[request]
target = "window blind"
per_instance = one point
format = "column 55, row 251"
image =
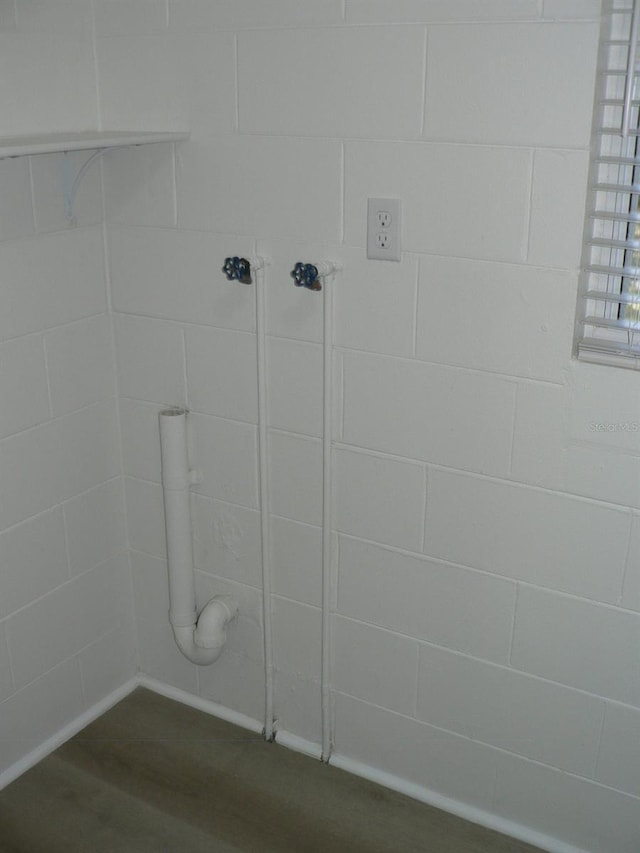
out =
column 608, row 328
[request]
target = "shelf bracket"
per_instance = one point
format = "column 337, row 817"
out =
column 71, row 181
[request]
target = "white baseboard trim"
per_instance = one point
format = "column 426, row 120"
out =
column 66, row 733
column 299, row 744
column 201, row 704
column 456, row 807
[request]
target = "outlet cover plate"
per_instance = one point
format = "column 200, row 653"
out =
column 384, row 227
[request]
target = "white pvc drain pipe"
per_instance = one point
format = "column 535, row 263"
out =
column 200, row 637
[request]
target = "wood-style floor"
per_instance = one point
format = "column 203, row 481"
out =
column 154, row 776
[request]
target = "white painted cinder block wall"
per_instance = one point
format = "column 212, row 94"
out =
column 487, row 621
column 65, row 616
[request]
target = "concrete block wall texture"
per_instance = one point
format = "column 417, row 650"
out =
column 48, row 69
column 66, row 626
column 487, row 622
column 487, row 523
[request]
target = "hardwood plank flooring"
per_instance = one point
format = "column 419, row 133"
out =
column 154, row 776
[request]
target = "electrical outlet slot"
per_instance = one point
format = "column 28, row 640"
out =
column 383, row 229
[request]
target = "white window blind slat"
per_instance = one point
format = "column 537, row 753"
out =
column 608, row 326
column 613, row 298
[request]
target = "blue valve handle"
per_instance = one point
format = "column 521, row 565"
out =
column 237, row 269
column 306, row 275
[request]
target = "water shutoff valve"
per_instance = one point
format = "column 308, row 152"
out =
column 237, row 269
column 306, row 275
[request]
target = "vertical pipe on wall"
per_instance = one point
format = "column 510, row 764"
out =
column 200, row 637
column 263, row 456
column 321, row 277
column 176, row 481
column 327, row 512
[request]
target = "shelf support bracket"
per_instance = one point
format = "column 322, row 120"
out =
column 71, row 181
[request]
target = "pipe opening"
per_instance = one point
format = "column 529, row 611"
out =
column 173, row 412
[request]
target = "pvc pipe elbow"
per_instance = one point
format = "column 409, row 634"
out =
column 203, row 642
column 326, row 268
column 211, row 630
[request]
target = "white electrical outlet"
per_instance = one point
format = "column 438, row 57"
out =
column 384, row 219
